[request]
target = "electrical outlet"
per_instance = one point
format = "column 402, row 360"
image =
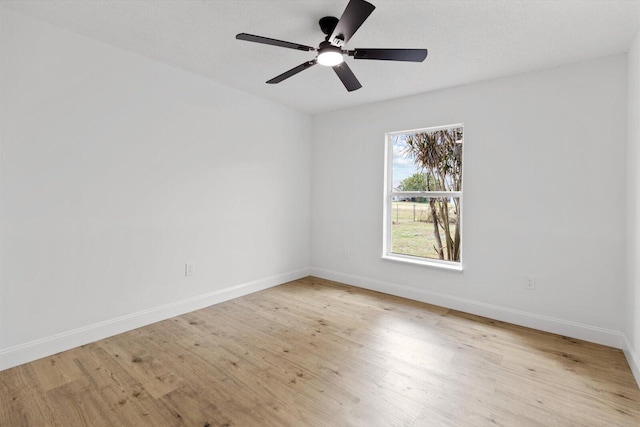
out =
column 530, row 283
column 189, row 269
column 347, row 254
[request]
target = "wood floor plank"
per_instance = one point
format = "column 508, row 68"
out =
column 135, row 358
column 23, row 402
column 319, row 353
column 83, row 403
column 57, row 370
column 120, row 390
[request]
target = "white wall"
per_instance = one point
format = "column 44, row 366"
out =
column 116, row 170
column 544, row 182
column 632, row 324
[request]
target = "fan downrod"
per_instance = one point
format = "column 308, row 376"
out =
column 328, row 24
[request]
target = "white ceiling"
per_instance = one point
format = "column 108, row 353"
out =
column 468, row 40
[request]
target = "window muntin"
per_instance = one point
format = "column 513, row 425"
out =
column 423, row 203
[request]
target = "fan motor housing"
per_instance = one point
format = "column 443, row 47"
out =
column 328, row 24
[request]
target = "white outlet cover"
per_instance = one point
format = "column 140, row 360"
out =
column 189, row 269
column 530, row 283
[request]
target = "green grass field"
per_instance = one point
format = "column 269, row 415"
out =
column 410, row 235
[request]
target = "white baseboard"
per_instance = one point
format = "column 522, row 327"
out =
column 554, row 325
column 632, row 357
column 34, row 350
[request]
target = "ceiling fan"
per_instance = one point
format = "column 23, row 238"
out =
column 330, row 53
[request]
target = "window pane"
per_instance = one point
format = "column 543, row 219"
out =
column 428, row 161
column 426, row 227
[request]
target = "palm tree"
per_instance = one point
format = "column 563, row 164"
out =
column 439, row 155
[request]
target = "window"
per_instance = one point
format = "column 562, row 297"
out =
column 423, row 196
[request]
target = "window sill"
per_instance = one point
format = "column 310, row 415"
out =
column 451, row 266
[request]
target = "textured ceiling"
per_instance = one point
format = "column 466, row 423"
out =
column 468, row 41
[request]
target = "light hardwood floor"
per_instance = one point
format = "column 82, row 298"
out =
column 319, row 353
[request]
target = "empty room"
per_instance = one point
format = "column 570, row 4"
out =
column 319, row 213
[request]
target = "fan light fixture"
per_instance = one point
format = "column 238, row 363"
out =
column 330, row 56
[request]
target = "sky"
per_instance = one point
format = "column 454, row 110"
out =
column 402, row 167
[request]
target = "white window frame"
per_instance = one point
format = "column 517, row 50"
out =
column 389, row 193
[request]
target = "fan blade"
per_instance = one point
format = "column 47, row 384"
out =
column 273, row 42
column 354, row 15
column 292, row 72
column 411, row 55
column 347, row 77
